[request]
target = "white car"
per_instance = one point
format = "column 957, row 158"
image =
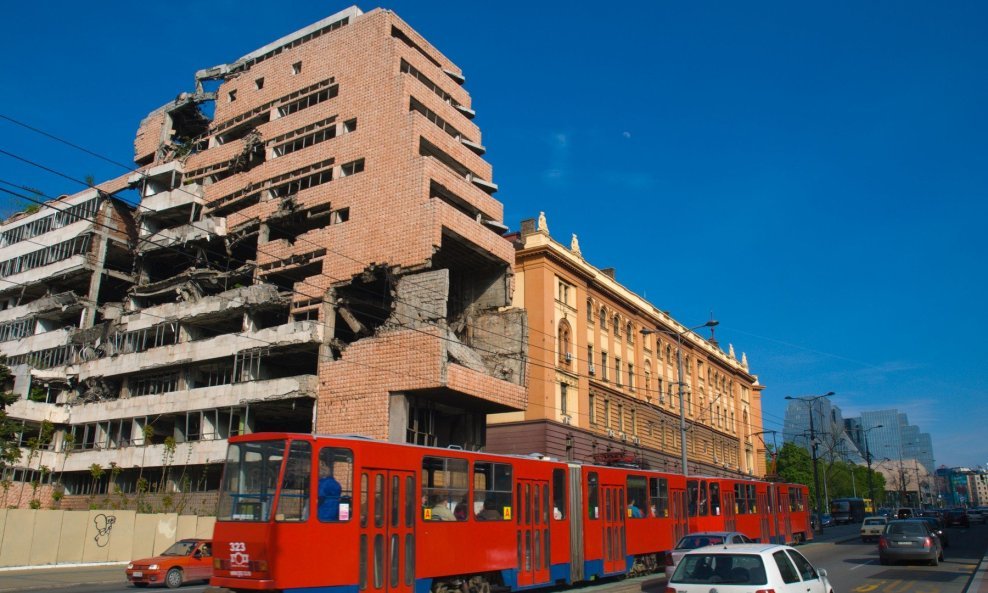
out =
column 872, row 527
column 699, row 540
column 746, row 568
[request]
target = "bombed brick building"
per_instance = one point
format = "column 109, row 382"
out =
column 316, row 248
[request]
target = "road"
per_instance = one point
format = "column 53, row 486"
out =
column 852, row 566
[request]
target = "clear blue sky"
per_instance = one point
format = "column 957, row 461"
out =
column 813, row 173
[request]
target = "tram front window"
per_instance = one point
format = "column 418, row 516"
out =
column 250, row 480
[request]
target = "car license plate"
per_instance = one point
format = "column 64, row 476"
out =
column 905, row 543
column 137, row 574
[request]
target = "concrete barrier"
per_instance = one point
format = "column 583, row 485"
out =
column 46, row 537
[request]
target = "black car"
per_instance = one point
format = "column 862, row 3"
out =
column 936, row 526
column 956, row 517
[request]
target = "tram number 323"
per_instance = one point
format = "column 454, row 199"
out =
column 239, row 560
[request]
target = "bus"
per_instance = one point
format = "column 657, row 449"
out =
column 847, row 510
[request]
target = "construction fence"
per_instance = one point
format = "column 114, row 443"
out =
column 45, row 537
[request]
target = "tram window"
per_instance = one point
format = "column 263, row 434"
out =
column 545, row 503
column 559, row 493
column 409, row 558
column 740, row 506
column 379, row 500
column 363, row 500
column 444, row 489
column 702, row 506
column 293, row 501
column 335, row 486
column 658, row 494
column 249, row 480
column 395, row 503
column 492, row 491
column 593, row 496
column 714, row 498
column 752, row 500
column 637, row 496
column 693, row 492
column 409, row 501
column 363, row 561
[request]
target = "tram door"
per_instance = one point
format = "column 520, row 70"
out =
column 387, row 535
column 532, row 517
column 785, row 529
column 764, row 511
column 615, row 509
column 730, row 511
column 679, row 518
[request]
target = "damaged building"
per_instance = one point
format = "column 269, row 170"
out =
column 316, row 248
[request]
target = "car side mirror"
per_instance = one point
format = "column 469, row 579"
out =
column 822, row 572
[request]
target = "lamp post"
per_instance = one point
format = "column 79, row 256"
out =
column 871, row 488
column 679, row 364
column 810, row 400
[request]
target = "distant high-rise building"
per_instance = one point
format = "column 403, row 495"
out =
column 833, row 441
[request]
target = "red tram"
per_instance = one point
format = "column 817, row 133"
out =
column 348, row 515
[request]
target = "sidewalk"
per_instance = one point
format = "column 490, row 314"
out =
column 45, row 577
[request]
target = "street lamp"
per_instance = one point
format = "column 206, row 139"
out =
column 810, row 401
column 679, row 364
column 871, row 488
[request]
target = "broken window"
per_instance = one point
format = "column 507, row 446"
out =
column 308, row 101
column 247, row 364
column 211, row 375
column 259, row 83
column 232, row 95
column 352, row 168
column 341, row 215
column 294, row 187
column 305, row 141
column 297, row 68
column 153, row 384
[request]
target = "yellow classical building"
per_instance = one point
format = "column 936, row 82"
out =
column 600, row 389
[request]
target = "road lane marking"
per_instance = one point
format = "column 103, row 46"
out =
column 859, row 566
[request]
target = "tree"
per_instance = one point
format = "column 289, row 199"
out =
column 795, row 465
column 10, row 451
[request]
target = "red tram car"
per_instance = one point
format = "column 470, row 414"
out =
column 348, row 515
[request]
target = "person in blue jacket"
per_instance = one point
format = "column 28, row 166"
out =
column 329, row 494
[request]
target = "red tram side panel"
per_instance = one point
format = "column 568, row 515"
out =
column 356, row 515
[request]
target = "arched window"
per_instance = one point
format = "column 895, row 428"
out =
column 589, row 311
column 648, row 378
column 617, row 326
column 629, row 331
column 603, row 318
column 564, row 342
column 668, row 354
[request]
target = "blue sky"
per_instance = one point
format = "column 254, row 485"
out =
column 812, row 173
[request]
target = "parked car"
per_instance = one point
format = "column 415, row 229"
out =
column 747, row 567
column 956, row 517
column 185, row 560
column 975, row 516
column 936, row 525
column 909, row 539
column 699, row 540
column 872, row 528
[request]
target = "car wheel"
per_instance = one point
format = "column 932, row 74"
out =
column 174, row 578
column 935, row 561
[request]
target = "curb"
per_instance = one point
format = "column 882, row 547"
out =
column 978, row 582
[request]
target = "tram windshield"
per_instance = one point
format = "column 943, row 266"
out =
column 250, row 480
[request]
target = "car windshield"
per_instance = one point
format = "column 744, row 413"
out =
column 182, row 548
column 691, row 542
column 729, row 569
column 250, row 480
column 905, row 529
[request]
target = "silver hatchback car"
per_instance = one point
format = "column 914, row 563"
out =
column 909, row 539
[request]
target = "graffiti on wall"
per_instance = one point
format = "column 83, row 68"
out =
column 104, row 523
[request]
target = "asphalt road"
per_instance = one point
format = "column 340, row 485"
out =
column 852, row 566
